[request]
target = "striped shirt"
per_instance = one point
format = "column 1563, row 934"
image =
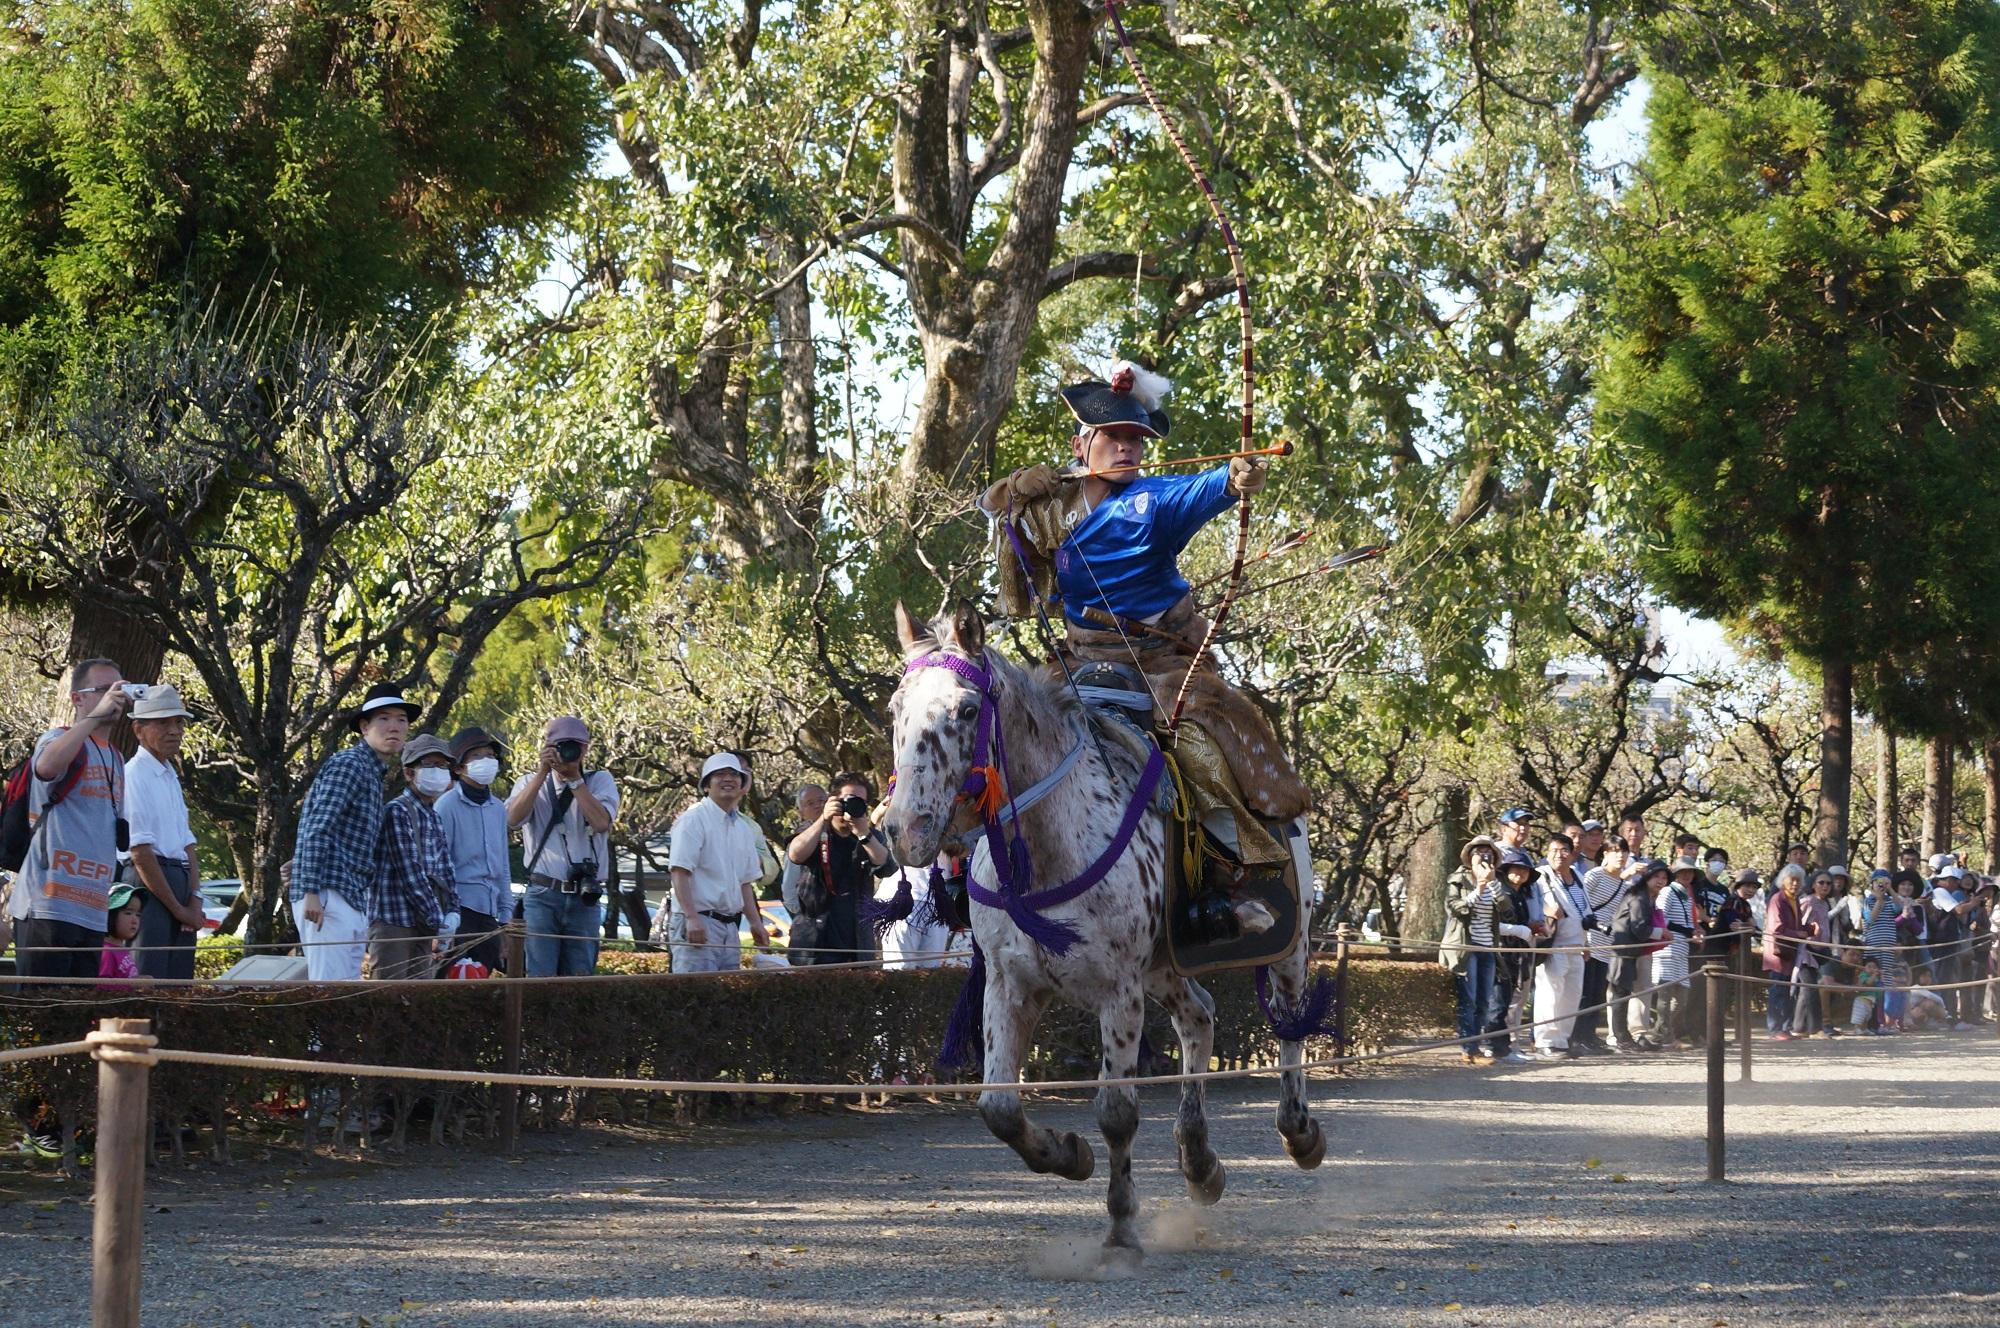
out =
column 1604, row 889
column 1879, row 933
column 1479, row 928
column 1670, row 965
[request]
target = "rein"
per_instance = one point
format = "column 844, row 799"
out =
column 985, row 788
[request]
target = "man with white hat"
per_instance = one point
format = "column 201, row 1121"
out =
column 567, row 814
column 716, row 860
column 161, row 861
column 340, row 833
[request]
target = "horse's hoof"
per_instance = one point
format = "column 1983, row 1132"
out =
column 1208, row 1190
column 1081, row 1160
column 1308, row 1149
column 1121, row 1254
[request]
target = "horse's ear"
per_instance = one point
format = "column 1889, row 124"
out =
column 906, row 630
column 968, row 628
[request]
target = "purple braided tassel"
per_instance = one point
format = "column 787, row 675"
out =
column 1316, row 1015
column 966, row 1031
column 884, row 914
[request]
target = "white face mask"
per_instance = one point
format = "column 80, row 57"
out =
column 483, row 771
column 430, row 781
column 1716, row 866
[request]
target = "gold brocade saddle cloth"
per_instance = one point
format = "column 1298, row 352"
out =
column 1223, row 860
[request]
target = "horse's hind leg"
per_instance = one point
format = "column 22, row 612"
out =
column 1193, row 1014
column 1120, row 1020
column 1304, row 1140
column 1010, row 1017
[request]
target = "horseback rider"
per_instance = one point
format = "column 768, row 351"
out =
column 1104, row 539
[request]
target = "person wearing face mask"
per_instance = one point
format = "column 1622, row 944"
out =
column 475, row 831
column 1711, row 892
column 413, row 901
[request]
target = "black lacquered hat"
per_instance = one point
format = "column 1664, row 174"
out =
column 1132, row 397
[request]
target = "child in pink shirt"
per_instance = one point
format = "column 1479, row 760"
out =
column 116, row 959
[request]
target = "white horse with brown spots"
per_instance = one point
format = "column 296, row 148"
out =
column 953, row 687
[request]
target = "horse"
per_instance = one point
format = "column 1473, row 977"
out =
column 1115, row 957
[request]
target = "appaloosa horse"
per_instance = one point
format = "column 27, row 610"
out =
column 955, row 695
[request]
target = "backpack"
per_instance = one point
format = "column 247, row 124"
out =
column 17, row 836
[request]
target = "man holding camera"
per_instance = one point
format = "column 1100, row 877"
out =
column 716, row 862
column 568, row 816
column 75, row 795
column 842, row 855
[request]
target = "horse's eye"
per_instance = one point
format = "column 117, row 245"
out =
column 969, row 711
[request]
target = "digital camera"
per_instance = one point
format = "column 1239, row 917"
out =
column 135, row 690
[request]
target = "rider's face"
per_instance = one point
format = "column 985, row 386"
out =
column 1111, row 448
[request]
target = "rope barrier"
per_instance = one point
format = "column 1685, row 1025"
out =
column 1756, row 939
column 357, row 1071
column 1769, row 978
column 16, row 1054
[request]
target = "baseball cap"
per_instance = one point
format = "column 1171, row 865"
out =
column 1514, row 814
column 1591, row 825
column 566, row 728
column 426, row 744
column 120, row 896
column 1952, row 872
column 1837, row 870
column 723, row 761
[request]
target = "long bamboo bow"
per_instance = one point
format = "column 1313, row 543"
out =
column 1241, row 554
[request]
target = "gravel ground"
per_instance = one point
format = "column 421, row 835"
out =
column 1861, row 1193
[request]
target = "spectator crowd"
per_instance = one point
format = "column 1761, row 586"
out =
column 1578, row 943
column 403, row 866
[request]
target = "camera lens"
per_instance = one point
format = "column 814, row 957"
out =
column 569, row 749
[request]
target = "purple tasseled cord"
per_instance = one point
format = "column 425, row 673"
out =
column 1316, row 1015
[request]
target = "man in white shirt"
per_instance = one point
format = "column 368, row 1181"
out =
column 161, row 860
column 716, row 861
column 1559, row 979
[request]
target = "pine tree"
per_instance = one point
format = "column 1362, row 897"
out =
column 1808, row 343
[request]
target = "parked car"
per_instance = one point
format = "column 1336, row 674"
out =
column 217, row 898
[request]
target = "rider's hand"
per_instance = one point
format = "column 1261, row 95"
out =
column 1026, row 485
column 1247, row 476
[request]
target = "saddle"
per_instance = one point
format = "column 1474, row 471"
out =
column 1204, row 880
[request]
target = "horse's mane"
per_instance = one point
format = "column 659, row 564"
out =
column 1049, row 696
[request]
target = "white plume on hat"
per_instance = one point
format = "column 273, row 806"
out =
column 1148, row 388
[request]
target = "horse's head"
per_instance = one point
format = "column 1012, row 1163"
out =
column 936, row 722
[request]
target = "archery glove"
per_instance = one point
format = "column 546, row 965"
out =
column 1247, row 476
column 1026, row 485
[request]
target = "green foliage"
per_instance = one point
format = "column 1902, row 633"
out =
column 361, row 158
column 1808, row 289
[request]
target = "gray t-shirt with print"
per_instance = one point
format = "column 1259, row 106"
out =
column 75, row 853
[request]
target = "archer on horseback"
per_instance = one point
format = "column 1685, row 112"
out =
column 1104, row 539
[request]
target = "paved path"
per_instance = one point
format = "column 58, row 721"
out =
column 1862, row 1193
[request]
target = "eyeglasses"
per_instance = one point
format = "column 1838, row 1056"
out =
column 92, row 691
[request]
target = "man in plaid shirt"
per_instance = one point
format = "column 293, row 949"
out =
column 340, row 833
column 414, row 900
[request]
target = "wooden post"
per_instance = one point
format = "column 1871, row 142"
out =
column 1717, row 981
column 123, row 1049
column 510, row 1094
column 1341, row 935
column 1743, row 986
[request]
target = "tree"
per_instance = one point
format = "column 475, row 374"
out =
column 299, row 514
column 355, row 161
column 1808, row 334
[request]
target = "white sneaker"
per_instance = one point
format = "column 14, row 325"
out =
column 1514, row 1058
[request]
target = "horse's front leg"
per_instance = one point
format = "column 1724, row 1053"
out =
column 1194, row 1021
column 1120, row 1021
column 1011, row 1014
column 1304, row 1140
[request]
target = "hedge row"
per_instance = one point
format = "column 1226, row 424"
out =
column 797, row 1025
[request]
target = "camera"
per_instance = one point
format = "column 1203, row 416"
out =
column 582, row 878
column 569, row 751
column 853, row 805
column 135, row 690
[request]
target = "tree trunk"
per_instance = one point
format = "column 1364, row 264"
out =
column 1836, row 761
column 1435, row 857
column 1885, row 796
column 1989, row 773
column 274, row 841
column 1937, row 796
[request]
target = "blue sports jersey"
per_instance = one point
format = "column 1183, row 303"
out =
column 1124, row 557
